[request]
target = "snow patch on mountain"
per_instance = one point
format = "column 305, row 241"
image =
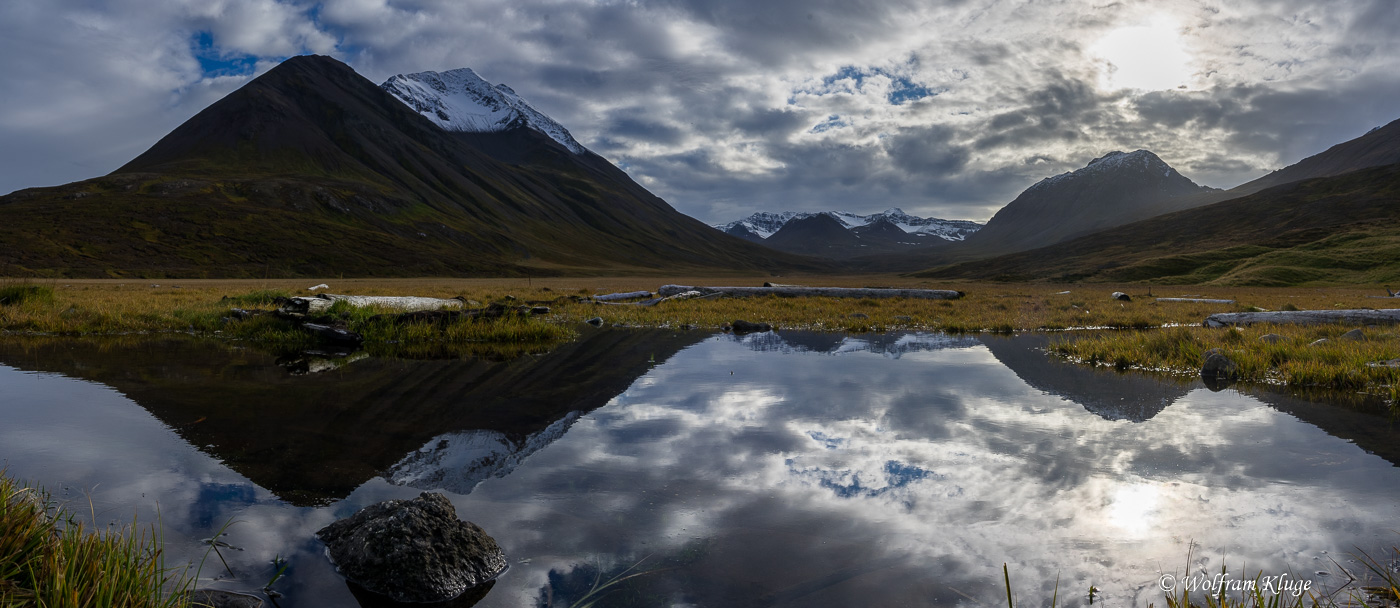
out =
column 459, row 100
column 765, row 223
column 457, row 462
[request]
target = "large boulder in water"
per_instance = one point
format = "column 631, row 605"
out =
column 413, row 550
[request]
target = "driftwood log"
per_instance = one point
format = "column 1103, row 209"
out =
column 1196, row 300
column 821, row 292
column 1387, row 316
column 685, row 295
column 630, row 295
column 318, row 303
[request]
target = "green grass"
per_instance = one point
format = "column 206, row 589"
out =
column 1295, row 360
column 49, row 559
column 16, row 294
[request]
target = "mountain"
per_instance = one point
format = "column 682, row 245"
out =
column 1111, row 190
column 743, row 232
column 1341, row 230
column 819, row 235
column 883, row 230
column 312, row 170
column 459, row 100
column 764, row 224
column 1379, row 147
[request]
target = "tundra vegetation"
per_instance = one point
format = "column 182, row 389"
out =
column 1171, row 339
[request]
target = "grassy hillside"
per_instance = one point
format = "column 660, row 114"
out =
column 1334, row 230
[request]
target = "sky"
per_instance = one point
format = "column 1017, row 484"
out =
column 726, row 107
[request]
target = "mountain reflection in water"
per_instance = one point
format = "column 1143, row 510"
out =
column 791, row 469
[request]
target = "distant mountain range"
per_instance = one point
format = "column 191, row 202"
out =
column 841, row 234
column 312, row 170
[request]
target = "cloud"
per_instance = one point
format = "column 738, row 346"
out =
column 725, row 107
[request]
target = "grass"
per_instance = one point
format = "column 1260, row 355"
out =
column 18, row 294
column 1295, row 359
column 1381, row 588
column 202, row 307
column 49, row 559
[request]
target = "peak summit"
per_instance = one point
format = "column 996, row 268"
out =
column 460, row 100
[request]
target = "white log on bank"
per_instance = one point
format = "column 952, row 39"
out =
column 1196, row 300
column 820, row 292
column 318, row 303
column 1386, row 316
column 630, row 295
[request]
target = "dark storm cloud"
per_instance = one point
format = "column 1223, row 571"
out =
column 725, row 107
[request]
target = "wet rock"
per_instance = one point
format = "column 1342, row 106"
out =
column 218, row 598
column 1118, row 295
column 413, row 550
column 1355, row 335
column 744, row 327
column 595, row 321
column 1270, row 338
column 1218, row 371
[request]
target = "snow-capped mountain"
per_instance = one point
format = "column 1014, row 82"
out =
column 764, row 224
column 459, row 100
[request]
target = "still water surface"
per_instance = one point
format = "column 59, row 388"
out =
column 790, row 469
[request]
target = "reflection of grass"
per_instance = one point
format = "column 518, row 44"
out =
column 1293, row 360
column 48, row 558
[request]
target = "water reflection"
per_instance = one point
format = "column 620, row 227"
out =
column 753, row 471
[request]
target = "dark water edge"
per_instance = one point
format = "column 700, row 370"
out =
column 768, row 470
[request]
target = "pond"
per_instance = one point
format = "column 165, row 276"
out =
column 776, row 469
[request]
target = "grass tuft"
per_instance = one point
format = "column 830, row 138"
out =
column 48, row 558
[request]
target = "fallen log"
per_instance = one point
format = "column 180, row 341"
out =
column 1386, row 316
column 685, row 295
column 630, row 295
column 820, row 292
column 320, row 302
column 1196, row 300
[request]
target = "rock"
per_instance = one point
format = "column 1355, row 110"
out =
column 1355, row 335
column 321, row 286
column 218, row 598
column 1270, row 338
column 539, row 310
column 1218, row 370
column 595, row 321
column 1118, row 295
column 904, row 318
column 745, row 327
column 1319, row 342
column 1390, row 363
column 858, row 315
column 413, row 550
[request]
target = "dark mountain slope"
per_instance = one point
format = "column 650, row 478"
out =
column 311, row 169
column 1343, row 229
column 819, row 235
column 1112, row 190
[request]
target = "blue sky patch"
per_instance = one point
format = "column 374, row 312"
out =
column 214, row 62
